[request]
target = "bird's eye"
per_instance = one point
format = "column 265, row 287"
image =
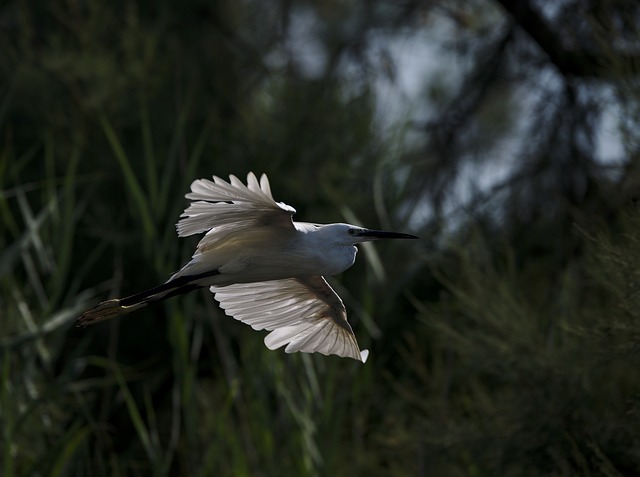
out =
column 352, row 231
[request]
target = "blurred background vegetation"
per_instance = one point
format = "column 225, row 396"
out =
column 505, row 133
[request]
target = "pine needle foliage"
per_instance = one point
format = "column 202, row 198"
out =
column 526, row 370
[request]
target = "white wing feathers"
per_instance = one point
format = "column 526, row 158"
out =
column 303, row 313
column 226, row 207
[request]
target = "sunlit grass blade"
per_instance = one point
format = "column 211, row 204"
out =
column 81, row 271
column 64, row 231
column 58, row 320
column 133, row 185
column 174, row 210
column 14, row 252
column 370, row 252
column 29, row 321
column 10, row 168
column 149, row 156
column 41, row 252
column 299, row 408
column 71, row 441
column 153, row 452
column 185, row 372
column 357, row 308
column 172, row 161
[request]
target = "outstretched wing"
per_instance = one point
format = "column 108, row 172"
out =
column 223, row 208
column 306, row 314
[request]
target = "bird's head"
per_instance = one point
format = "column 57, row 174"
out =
column 347, row 234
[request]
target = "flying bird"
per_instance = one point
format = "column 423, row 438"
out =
column 263, row 268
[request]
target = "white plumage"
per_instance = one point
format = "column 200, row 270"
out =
column 303, row 313
column 264, row 269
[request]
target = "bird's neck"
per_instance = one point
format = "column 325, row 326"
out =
column 330, row 258
column 339, row 258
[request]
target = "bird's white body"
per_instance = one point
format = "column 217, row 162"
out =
column 263, row 268
column 273, row 253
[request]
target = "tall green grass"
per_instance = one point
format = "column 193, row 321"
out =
column 180, row 388
column 489, row 363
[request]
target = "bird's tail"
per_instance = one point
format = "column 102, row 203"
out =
column 106, row 310
column 122, row 306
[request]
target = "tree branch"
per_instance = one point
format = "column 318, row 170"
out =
column 569, row 62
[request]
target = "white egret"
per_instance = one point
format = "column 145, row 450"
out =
column 263, row 268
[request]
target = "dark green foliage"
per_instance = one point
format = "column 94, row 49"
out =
column 528, row 372
column 506, row 342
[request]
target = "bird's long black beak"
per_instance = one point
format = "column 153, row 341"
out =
column 379, row 234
